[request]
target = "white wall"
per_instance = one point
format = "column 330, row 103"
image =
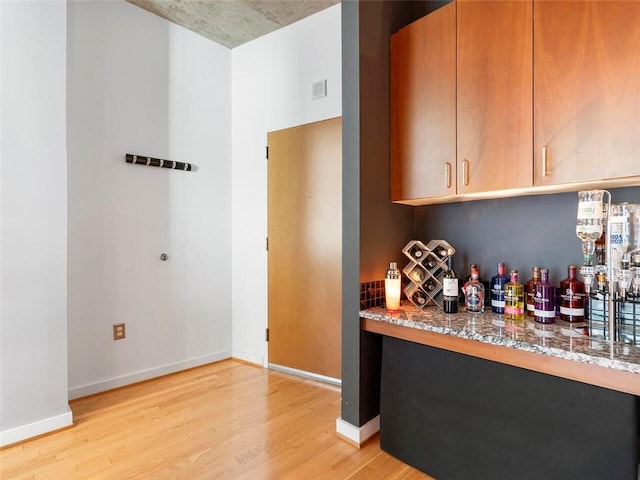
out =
column 33, row 220
column 136, row 84
column 139, row 84
column 271, row 83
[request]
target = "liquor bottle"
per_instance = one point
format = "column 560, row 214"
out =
column 601, row 242
column 514, row 298
column 636, row 276
column 530, row 290
column 474, row 292
column 572, row 295
column 450, row 287
column 461, row 294
column 497, row 289
column 545, row 299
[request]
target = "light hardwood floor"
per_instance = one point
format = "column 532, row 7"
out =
column 227, row 420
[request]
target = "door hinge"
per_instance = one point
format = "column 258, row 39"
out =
column 267, row 244
column 267, row 153
column 266, row 334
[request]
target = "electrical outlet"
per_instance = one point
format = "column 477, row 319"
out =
column 118, row 331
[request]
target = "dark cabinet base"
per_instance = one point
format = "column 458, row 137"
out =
column 459, row 417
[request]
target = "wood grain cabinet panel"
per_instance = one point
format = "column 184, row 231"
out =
column 587, row 91
column 544, row 97
column 423, row 103
column 495, row 88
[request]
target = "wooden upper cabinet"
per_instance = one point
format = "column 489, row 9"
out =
column 495, row 89
column 587, row 91
column 423, row 107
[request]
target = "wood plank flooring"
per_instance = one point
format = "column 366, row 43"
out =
column 227, row 420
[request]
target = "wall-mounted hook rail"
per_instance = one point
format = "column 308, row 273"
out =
column 157, row 162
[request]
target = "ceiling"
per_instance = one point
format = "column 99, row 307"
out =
column 233, row 22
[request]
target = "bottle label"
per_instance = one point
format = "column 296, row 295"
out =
column 589, row 210
column 474, row 304
column 588, row 230
column 450, row 287
column 513, row 311
column 574, row 312
column 545, row 313
column 497, row 303
column 616, row 239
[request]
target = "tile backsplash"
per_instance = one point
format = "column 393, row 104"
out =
column 371, row 294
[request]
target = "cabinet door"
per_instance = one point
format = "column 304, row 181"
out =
column 495, row 88
column 587, row 91
column 423, row 103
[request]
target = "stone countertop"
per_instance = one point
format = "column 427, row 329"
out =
column 564, row 340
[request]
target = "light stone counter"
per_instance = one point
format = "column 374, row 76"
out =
column 561, row 340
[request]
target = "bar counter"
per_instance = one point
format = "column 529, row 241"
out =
column 520, row 399
column 562, row 349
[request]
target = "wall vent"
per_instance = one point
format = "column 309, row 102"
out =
column 319, row 89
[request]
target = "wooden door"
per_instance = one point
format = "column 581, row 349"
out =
column 495, row 89
column 423, row 107
column 587, row 90
column 305, row 247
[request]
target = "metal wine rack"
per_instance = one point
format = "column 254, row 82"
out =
column 627, row 318
column 426, row 267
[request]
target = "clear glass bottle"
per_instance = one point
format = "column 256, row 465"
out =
column 589, row 221
column 474, row 292
column 530, row 291
column 450, row 287
column 545, row 299
column 572, row 297
column 636, row 276
column 498, row 282
column 392, row 287
column 514, row 298
column 600, row 253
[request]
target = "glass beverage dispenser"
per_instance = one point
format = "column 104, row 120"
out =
column 589, row 228
column 617, row 299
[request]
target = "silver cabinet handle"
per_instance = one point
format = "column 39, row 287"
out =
column 447, row 174
column 465, row 172
column 544, row 160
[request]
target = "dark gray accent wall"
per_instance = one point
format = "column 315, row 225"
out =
column 525, row 231
column 350, row 214
column 374, row 229
column 537, row 230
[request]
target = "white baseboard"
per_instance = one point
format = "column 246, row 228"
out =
column 90, row 389
column 302, row 373
column 357, row 435
column 248, row 357
column 24, row 432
